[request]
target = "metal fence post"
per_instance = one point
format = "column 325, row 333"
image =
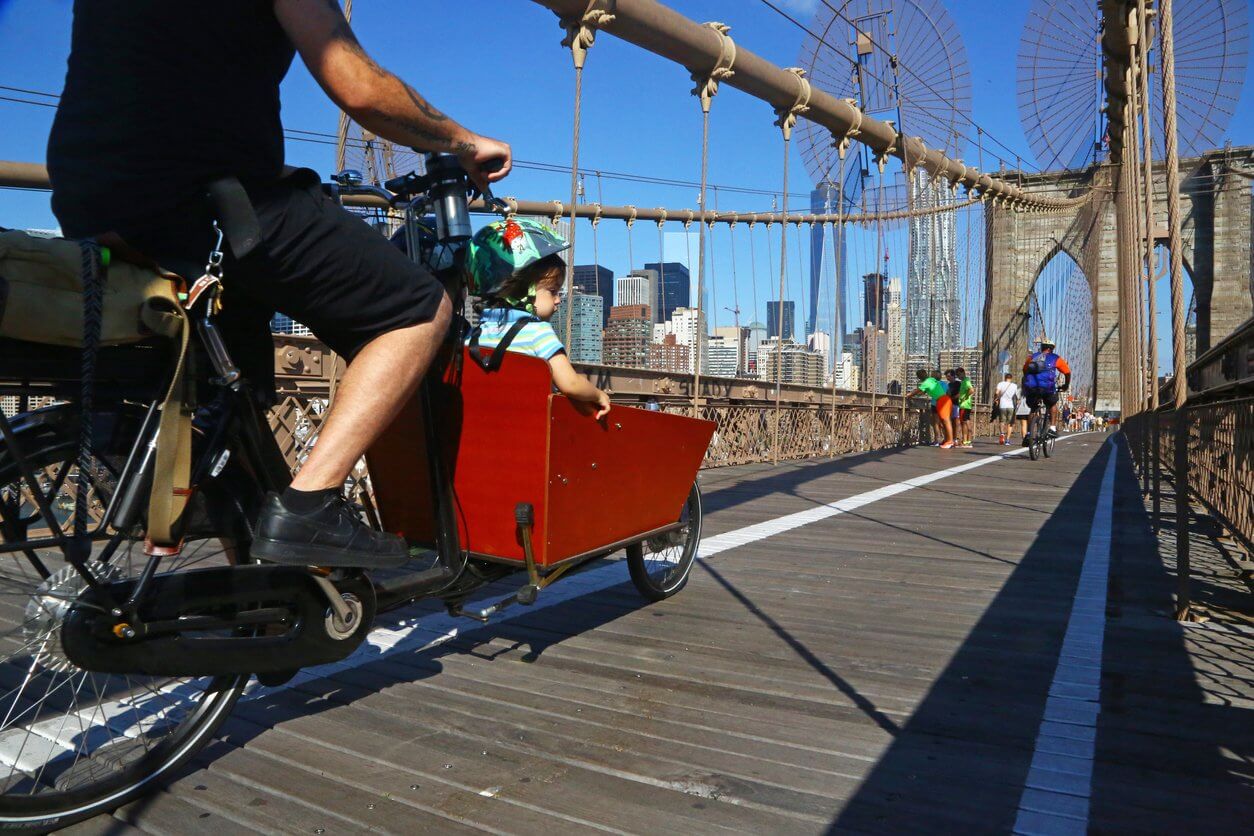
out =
column 1181, row 474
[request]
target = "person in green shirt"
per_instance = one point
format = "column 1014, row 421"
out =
column 942, row 406
column 966, row 403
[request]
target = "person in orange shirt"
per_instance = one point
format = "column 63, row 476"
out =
column 1041, row 381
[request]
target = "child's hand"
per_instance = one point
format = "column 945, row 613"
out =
column 603, row 405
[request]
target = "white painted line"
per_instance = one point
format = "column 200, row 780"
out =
column 405, row 632
column 1058, row 787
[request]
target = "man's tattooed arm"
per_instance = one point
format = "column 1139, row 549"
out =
column 375, row 98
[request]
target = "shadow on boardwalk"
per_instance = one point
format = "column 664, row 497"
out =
column 961, row 762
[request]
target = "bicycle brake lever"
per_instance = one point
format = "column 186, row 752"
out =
column 491, row 201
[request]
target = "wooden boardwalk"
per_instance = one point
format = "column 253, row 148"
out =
column 881, row 669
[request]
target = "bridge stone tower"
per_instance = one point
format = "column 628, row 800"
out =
column 1216, row 206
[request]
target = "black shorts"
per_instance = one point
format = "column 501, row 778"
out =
column 1036, row 396
column 318, row 263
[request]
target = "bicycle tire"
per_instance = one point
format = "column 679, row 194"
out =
column 1035, row 430
column 139, row 729
column 658, row 578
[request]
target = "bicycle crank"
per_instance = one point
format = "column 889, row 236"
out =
column 221, row 622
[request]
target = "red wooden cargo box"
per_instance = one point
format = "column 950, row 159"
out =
column 595, row 485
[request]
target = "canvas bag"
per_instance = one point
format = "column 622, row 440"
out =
column 41, row 301
column 41, row 295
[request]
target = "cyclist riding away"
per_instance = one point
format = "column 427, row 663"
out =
column 162, row 99
column 1040, row 382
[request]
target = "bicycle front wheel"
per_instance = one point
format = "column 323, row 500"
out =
column 660, row 565
column 74, row 743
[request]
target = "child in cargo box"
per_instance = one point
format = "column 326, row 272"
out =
column 514, row 267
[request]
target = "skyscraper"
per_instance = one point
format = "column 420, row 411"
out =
column 772, row 319
column 824, row 262
column 820, row 342
column 637, row 288
column 626, row 338
column 585, row 330
column 739, row 337
column 674, row 285
column 932, row 312
column 792, row 362
column 687, row 328
column 722, row 357
column 595, row 280
column 875, row 300
column 757, row 335
column 896, row 347
column 874, row 373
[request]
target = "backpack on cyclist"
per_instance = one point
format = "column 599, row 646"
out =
column 1042, row 372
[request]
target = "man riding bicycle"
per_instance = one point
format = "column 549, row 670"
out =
column 163, row 98
column 1040, row 382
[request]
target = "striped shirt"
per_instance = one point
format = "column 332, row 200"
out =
column 537, row 339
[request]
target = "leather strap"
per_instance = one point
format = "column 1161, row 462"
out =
column 171, row 482
column 236, row 216
column 492, row 362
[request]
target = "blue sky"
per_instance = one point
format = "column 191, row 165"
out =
column 498, row 67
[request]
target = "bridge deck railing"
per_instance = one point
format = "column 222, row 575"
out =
column 812, row 421
column 1206, row 449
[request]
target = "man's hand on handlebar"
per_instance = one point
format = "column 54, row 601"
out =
column 485, row 160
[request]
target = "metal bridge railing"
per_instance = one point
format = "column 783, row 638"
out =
column 1205, row 449
column 812, row 421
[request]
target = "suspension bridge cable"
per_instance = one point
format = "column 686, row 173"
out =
column 874, row 77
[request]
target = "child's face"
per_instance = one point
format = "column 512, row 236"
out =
column 548, row 295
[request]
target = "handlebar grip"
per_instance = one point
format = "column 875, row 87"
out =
column 493, row 166
column 524, row 513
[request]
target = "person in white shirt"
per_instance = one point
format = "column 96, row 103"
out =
column 1005, row 395
column 1022, row 412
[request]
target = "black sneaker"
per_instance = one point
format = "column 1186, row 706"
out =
column 330, row 536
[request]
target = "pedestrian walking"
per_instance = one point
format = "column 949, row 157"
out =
column 1005, row 395
column 1021, row 414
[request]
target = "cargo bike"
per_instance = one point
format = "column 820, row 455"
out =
column 119, row 661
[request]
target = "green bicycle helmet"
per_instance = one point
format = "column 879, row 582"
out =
column 503, row 248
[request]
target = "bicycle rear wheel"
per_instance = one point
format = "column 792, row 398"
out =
column 75, row 743
column 1035, row 432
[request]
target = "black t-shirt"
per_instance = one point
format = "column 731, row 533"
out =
column 161, row 98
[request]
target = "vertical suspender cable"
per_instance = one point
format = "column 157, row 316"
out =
column 838, row 240
column 706, row 89
column 1147, row 153
column 1133, row 169
column 787, row 119
column 701, row 244
column 779, row 309
column 580, row 35
column 1167, row 36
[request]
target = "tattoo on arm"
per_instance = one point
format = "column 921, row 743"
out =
column 342, row 31
column 418, row 127
column 423, row 105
